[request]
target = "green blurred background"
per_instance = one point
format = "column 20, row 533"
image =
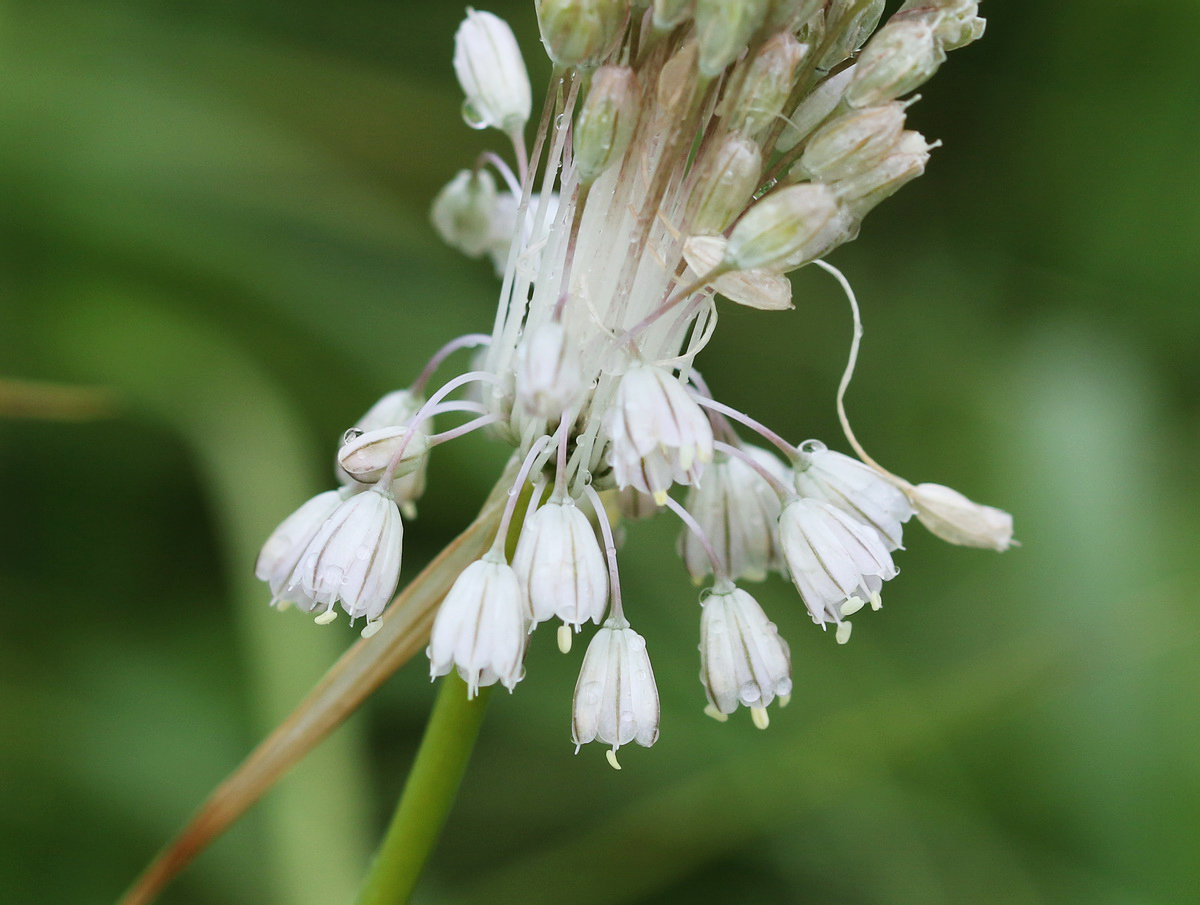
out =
column 217, row 210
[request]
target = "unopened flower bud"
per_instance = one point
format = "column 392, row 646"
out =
column 606, row 121
column 549, row 376
column 815, row 109
column 492, row 73
column 723, row 29
column 958, row 520
column 787, row 228
column 853, row 30
column 366, row 456
column 958, row 25
column 897, row 60
column 903, row 163
column 760, row 289
column 853, row 143
column 765, row 88
column 727, row 176
column 395, row 410
column 580, row 32
column 464, row 211
column 669, row 13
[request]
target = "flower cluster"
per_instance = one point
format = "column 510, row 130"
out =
column 685, row 150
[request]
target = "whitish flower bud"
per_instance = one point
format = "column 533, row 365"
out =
column 760, row 289
column 788, row 227
column 580, row 32
column 606, row 121
column 549, row 376
column 835, row 562
column 853, row 143
column 283, row 549
column 958, row 24
column 791, row 14
column 738, row 512
column 463, row 212
column 616, row 700
column 504, row 231
column 669, row 13
column 815, row 109
column 395, row 410
column 899, row 59
column 767, row 83
column 354, row 558
column 852, row 30
column 727, row 176
column 903, row 163
column 480, row 628
column 658, row 434
column 366, row 456
column 724, row 28
column 743, row 661
column 561, row 567
column 958, row 520
column 854, row 487
column 492, row 73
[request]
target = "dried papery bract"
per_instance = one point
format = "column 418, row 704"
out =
column 958, row 520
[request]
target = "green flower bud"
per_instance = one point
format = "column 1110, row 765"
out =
column 606, row 121
column 723, row 29
column 581, row 32
column 853, row 143
column 765, row 88
column 787, row 228
column 899, row 59
column 958, row 25
column 902, row 164
column 727, row 176
column 462, row 212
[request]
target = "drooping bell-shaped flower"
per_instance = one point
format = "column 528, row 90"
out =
column 836, row 562
column 743, row 661
column 480, row 628
column 616, row 700
column 658, row 434
column 282, row 551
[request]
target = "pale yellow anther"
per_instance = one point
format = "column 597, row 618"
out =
column 371, row 628
column 852, row 606
column 660, row 498
column 282, row 605
column 687, row 455
column 876, row 600
column 784, row 699
column 564, row 638
column 712, row 711
column 759, row 715
column 612, row 759
column 327, row 617
column 843, row 632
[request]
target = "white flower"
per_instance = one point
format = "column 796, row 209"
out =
column 396, row 409
column 480, row 627
column 743, row 661
column 549, row 378
column 616, row 700
column 854, row 487
column 464, row 210
column 488, row 63
column 366, row 456
column 561, row 567
column 354, row 558
column 658, row 434
column 835, row 562
column 954, row 518
column 282, row 551
column 738, row 512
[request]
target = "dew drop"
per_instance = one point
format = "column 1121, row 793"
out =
column 590, row 693
column 353, row 434
column 749, row 693
column 636, row 642
column 560, row 121
column 362, row 552
column 473, row 117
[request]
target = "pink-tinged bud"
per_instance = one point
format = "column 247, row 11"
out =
column 726, row 178
column 853, row 142
column 897, row 60
column 766, row 84
column 787, row 228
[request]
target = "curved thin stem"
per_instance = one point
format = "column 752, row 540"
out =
column 428, row 794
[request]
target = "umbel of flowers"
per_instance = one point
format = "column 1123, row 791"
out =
column 687, row 149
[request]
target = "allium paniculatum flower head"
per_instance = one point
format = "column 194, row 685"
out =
column 684, row 150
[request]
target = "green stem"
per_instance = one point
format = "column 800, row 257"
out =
column 428, row 794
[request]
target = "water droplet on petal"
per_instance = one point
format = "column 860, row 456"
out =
column 749, row 693
column 473, row 117
column 560, row 121
column 590, row 693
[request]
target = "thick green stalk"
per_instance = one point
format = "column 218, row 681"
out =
column 428, row 794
